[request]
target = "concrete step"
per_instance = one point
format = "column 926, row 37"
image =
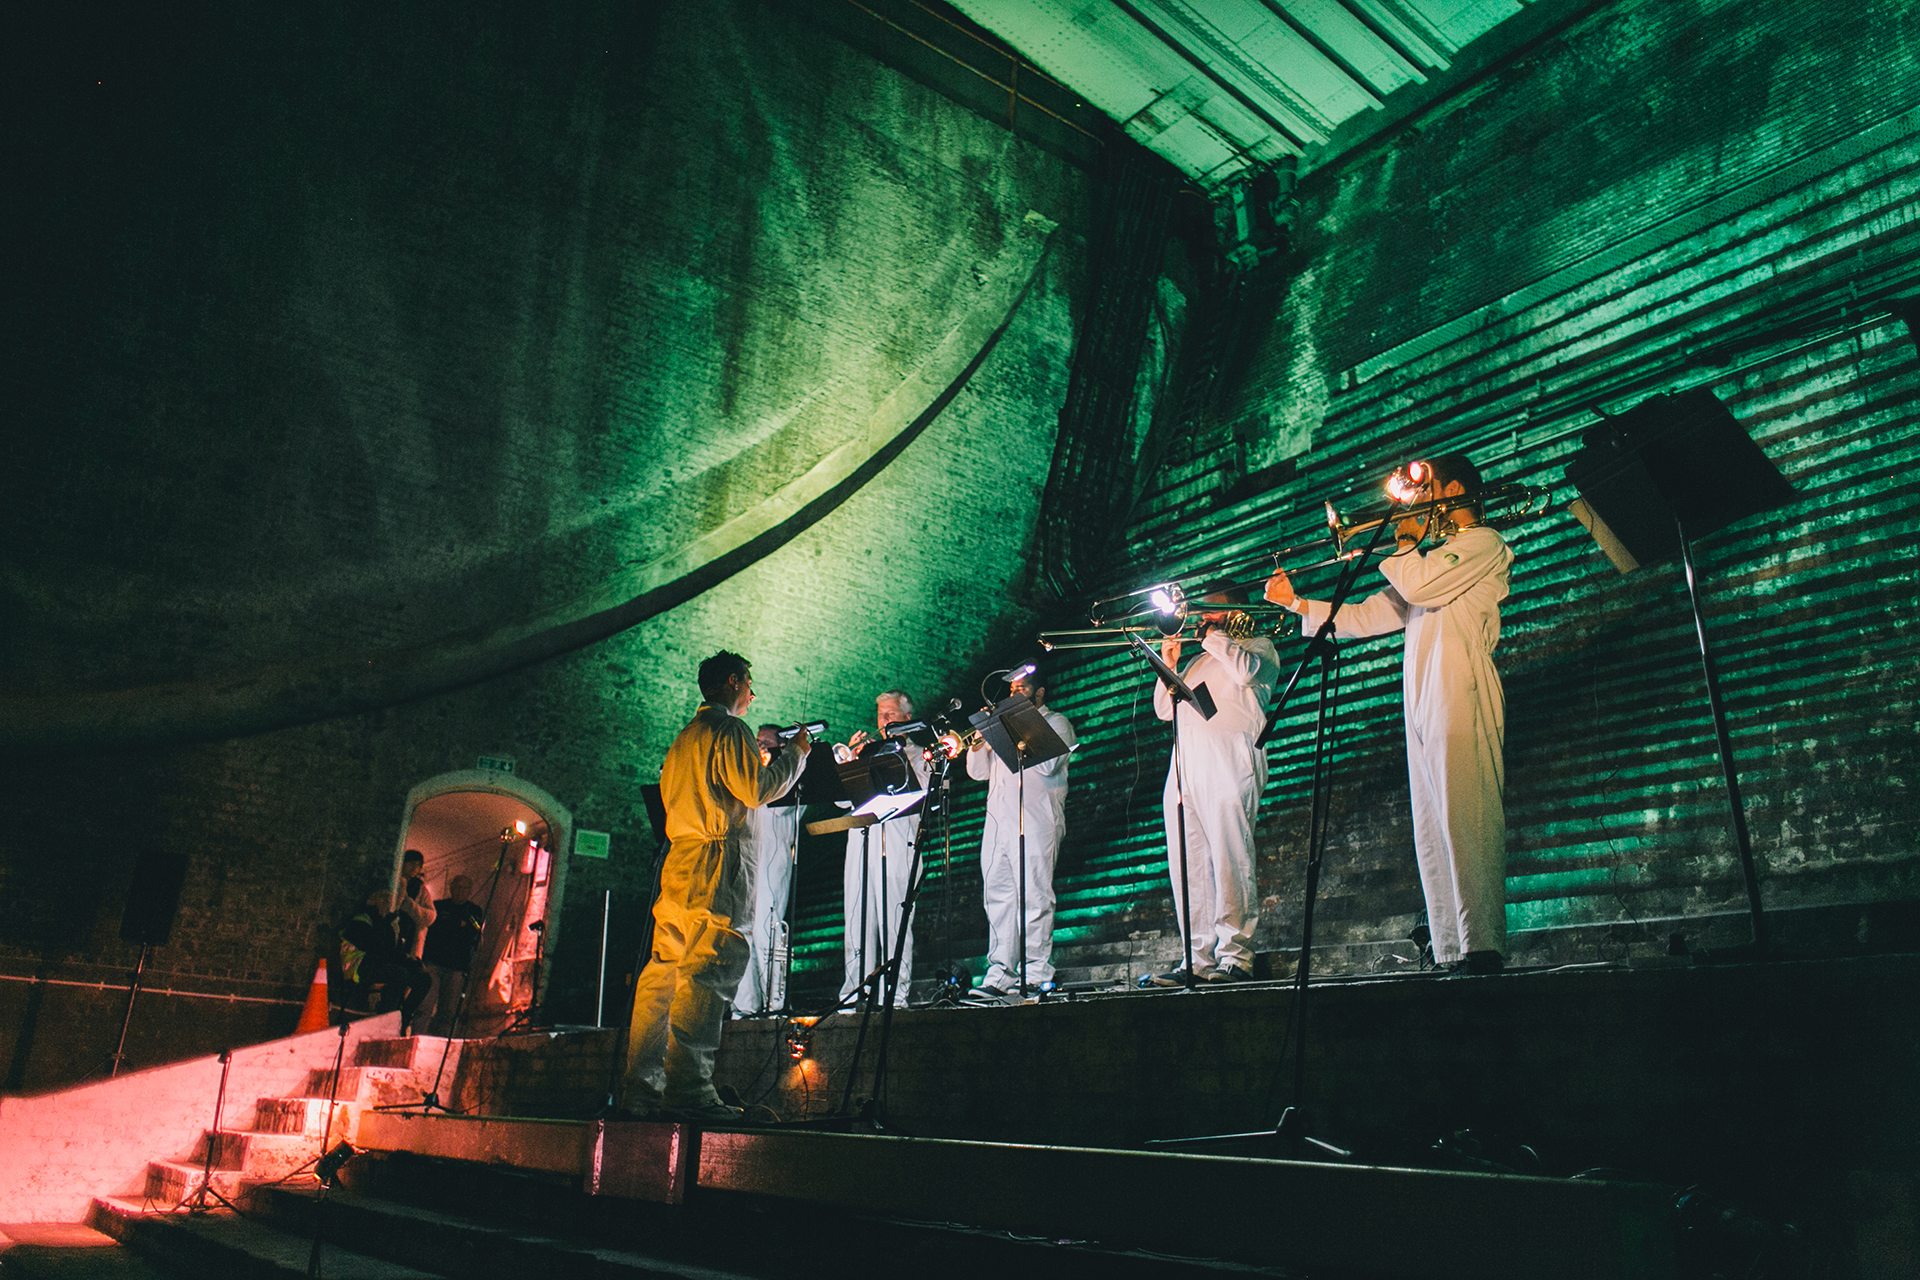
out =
column 412, row 1053
column 234, row 1248
column 263, row 1155
column 291, row 1115
column 368, row 1086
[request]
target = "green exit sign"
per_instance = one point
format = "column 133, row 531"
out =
column 590, row 844
column 497, row 764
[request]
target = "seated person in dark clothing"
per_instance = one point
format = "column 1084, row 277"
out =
column 449, row 955
column 370, row 958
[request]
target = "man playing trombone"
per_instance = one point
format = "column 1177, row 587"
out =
column 1447, row 599
column 1219, row 771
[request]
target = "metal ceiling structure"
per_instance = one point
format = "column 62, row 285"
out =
column 1225, row 89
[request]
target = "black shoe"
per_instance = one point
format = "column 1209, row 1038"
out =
column 1171, row 978
column 1228, row 973
column 1477, row 963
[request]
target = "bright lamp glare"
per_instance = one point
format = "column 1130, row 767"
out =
column 1161, row 600
column 1409, row 483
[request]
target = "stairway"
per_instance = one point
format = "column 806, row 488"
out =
column 274, row 1140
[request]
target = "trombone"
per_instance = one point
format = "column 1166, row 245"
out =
column 1180, row 620
column 1170, row 612
column 1501, row 506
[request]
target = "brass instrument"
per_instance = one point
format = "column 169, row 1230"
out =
column 953, row 744
column 1239, row 624
column 1501, row 506
column 1170, row 612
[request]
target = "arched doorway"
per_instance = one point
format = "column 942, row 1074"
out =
column 504, row 835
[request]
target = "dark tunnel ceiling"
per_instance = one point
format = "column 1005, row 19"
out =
column 1223, row 89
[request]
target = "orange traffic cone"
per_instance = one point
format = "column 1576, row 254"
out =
column 313, row 1014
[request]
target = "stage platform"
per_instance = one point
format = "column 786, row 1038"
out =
column 1741, row 1074
column 1784, row 1088
column 1597, row 1121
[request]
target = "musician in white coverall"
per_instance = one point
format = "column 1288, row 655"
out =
column 1220, row 771
column 712, row 778
column 770, row 855
column 1045, row 805
column 888, row 859
column 1448, row 600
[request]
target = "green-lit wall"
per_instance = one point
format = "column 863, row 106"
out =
column 368, row 358
column 1654, row 198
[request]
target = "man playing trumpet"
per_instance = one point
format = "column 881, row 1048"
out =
column 1447, row 599
column 878, row 871
column 1039, row 807
column 1219, row 771
column 712, row 778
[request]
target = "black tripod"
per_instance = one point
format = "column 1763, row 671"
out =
column 951, row 984
column 204, row 1197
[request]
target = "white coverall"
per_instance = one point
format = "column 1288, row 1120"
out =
column 1223, row 773
column 711, row 778
column 1046, row 822
column 770, row 864
column 889, row 863
column 1448, row 599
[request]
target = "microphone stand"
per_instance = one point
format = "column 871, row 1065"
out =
column 197, row 1202
column 1201, row 701
column 890, row 975
column 1291, row 1128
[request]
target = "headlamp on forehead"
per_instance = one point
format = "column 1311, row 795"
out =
column 1410, row 483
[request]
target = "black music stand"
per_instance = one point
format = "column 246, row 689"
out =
column 878, row 785
column 1020, row 736
column 1202, row 701
column 1652, row 480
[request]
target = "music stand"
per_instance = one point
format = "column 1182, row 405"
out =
column 1020, row 736
column 875, row 786
column 1652, row 480
column 1202, row 701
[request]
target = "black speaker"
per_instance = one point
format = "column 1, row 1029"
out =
column 153, row 897
column 1670, row 460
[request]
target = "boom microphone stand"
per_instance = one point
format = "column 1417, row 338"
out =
column 1291, row 1129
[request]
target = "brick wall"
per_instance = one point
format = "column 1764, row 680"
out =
column 1649, row 199
column 368, row 336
